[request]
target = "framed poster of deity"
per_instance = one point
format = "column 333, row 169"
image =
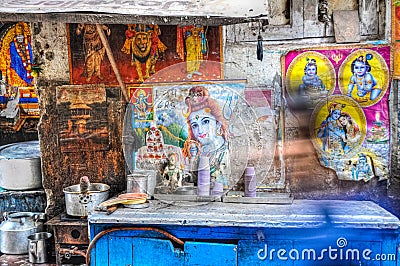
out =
column 18, row 68
column 180, row 130
column 136, row 52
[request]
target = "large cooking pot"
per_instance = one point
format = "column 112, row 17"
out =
column 20, row 166
column 80, row 203
column 16, row 228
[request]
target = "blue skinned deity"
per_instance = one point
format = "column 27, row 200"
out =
column 362, row 170
column 331, row 132
column 311, row 81
column 362, row 79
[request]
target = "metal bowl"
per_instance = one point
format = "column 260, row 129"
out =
column 186, row 190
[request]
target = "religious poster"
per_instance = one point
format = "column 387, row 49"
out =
column 345, row 91
column 135, row 52
column 142, row 100
column 82, row 118
column 396, row 37
column 18, row 99
column 200, row 127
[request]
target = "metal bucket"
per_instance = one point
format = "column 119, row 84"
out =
column 79, row 203
column 39, row 247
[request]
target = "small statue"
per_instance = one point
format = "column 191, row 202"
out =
column 172, row 174
column 84, row 184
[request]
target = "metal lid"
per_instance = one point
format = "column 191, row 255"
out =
column 20, row 150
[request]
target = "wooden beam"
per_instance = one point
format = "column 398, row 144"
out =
column 112, row 61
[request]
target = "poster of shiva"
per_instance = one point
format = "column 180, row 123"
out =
column 349, row 126
column 196, row 127
column 134, row 52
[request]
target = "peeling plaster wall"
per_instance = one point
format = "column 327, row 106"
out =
column 49, row 42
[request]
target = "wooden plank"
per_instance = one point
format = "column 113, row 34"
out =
column 60, row 169
column 368, row 10
column 100, row 255
column 167, row 8
column 294, row 30
column 261, row 198
column 257, row 253
column 120, row 251
column 301, row 214
column 211, row 254
column 158, row 252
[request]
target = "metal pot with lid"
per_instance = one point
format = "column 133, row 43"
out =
column 82, row 199
column 20, row 166
column 16, row 228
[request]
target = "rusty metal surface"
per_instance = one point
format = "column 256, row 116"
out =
column 69, row 231
column 300, row 214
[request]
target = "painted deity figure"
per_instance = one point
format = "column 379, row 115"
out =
column 311, row 81
column 191, row 47
column 21, row 57
column 331, row 132
column 362, row 79
column 141, row 104
column 362, row 170
column 93, row 49
column 208, row 128
column 172, row 174
column 192, row 148
column 351, row 130
column 143, row 43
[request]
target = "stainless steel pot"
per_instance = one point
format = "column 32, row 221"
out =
column 20, row 167
column 79, row 203
column 16, row 228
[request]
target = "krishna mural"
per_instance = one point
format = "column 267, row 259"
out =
column 349, row 125
column 310, row 78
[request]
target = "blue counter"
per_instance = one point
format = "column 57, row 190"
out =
column 307, row 232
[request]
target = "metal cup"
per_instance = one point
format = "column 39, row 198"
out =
column 141, row 181
column 39, row 247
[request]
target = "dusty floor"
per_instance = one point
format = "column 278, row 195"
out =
column 23, row 260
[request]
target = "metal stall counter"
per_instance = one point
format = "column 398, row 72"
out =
column 307, row 232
